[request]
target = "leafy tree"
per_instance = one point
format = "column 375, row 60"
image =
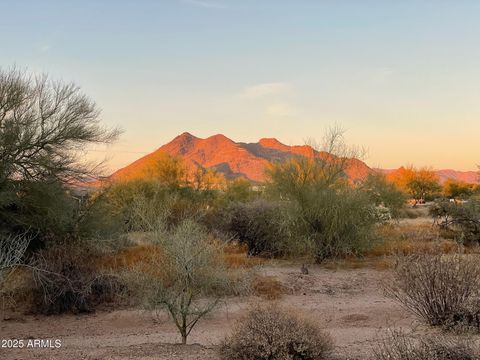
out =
column 457, row 189
column 420, row 184
column 207, row 179
column 423, row 185
column 44, row 127
column 169, row 170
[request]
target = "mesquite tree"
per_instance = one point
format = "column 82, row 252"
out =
column 45, row 126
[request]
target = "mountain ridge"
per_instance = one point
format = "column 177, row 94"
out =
column 250, row 160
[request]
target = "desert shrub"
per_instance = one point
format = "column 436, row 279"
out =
column 411, row 213
column 453, row 189
column 273, row 333
column 138, row 204
column 258, row 224
column 437, row 288
column 193, row 277
column 339, row 221
column 238, row 190
column 44, row 210
column 326, row 210
column 68, row 280
column 384, row 194
column 12, row 250
column 463, row 219
column 398, row 346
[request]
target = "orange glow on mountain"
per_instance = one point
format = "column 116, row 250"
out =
column 230, row 158
column 250, row 160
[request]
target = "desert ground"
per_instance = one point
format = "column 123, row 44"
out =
column 348, row 303
column 345, row 297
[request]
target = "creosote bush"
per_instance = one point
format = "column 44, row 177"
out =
column 398, row 346
column 272, row 333
column 461, row 219
column 258, row 224
column 441, row 289
column 68, row 280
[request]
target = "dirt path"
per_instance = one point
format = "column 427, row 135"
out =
column 349, row 304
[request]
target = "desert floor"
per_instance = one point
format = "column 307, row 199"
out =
column 349, row 303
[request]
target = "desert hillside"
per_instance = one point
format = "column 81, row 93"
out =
column 234, row 159
column 249, row 160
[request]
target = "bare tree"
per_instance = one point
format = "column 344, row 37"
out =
column 43, row 126
column 193, row 276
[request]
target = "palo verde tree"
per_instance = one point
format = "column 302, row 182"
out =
column 44, row 127
column 328, row 211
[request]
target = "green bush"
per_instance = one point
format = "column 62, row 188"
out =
column 463, row 219
column 339, row 222
column 136, row 204
column 44, row 210
column 324, row 208
column 272, row 333
column 259, row 224
column 384, row 193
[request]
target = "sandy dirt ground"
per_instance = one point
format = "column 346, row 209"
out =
column 348, row 304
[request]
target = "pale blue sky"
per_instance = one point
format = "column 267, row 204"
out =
column 402, row 76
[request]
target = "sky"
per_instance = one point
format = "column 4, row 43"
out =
column 401, row 77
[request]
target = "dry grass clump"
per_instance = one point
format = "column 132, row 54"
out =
column 268, row 287
column 272, row 333
column 414, row 213
column 399, row 346
column 441, row 289
column 412, row 247
column 236, row 256
column 408, row 238
column 131, row 257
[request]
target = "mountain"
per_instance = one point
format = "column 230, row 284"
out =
column 234, row 159
column 250, row 160
column 470, row 177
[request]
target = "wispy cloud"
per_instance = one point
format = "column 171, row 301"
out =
column 266, row 89
column 206, row 4
column 44, row 48
column 279, row 110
